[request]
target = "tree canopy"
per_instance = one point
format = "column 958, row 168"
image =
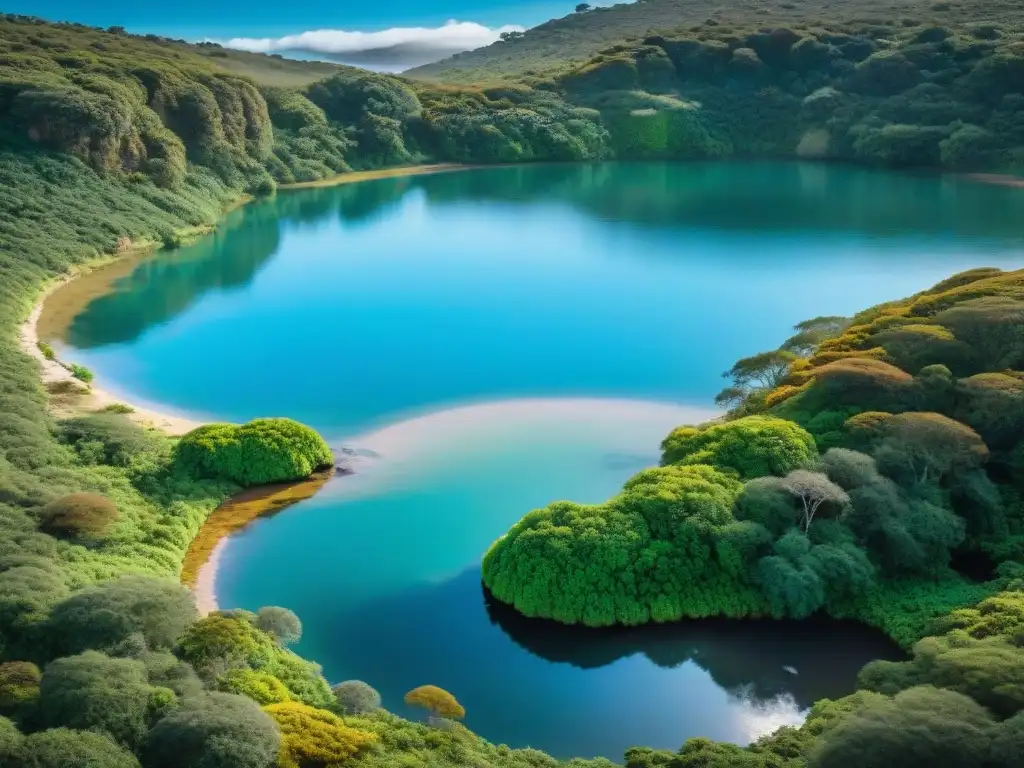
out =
column 437, row 701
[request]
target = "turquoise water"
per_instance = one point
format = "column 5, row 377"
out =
column 499, row 339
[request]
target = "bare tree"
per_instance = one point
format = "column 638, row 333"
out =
column 813, row 489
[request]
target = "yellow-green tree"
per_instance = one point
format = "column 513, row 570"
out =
column 315, row 738
column 437, row 701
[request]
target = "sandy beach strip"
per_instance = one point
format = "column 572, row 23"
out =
column 95, row 398
column 204, row 590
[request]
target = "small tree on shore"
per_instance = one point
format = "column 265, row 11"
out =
column 355, row 697
column 437, row 701
column 280, row 623
column 583, row 7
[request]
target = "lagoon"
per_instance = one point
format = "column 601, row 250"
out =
column 496, row 339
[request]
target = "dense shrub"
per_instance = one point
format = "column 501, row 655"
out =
column 95, row 692
column 279, row 623
column 101, row 616
column 752, row 447
column 437, row 701
column 63, row 747
column 667, row 546
column 19, row 686
column 83, row 516
column 261, row 687
column 262, row 451
column 214, row 730
column 315, row 737
column 355, row 697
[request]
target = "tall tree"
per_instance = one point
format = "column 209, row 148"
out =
column 766, row 369
column 928, row 446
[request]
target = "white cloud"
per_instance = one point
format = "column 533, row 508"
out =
column 398, row 47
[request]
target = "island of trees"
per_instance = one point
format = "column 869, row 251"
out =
column 869, row 468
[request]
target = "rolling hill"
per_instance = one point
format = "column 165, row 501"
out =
column 558, row 43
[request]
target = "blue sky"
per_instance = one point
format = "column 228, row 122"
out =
column 198, row 19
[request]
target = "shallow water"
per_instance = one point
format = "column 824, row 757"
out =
column 502, row 338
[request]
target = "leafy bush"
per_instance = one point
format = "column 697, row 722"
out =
column 261, row 687
column 82, row 516
column 437, row 701
column 279, row 623
column 19, row 685
column 752, row 447
column 81, row 373
column 95, row 692
column 214, row 730
column 354, row 697
column 101, row 616
column 62, row 747
column 315, row 737
column 262, row 451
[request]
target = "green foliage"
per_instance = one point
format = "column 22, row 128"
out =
column 216, row 643
column 279, row 623
column 214, row 730
column 354, row 697
column 19, row 686
column 261, row 687
column 857, row 86
column 665, row 548
column 95, row 692
column 990, row 671
column 10, row 741
column 62, row 747
column 81, row 373
column 221, row 642
column 752, row 447
column 919, row 726
column 101, row 616
column 262, row 451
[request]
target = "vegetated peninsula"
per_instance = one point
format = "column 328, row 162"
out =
column 860, row 465
column 110, row 141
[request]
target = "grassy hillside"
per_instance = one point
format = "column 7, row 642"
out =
column 577, row 37
column 152, row 109
column 940, row 86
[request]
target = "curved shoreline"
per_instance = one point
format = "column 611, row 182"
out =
column 403, row 451
column 202, row 559
column 90, row 397
column 54, row 371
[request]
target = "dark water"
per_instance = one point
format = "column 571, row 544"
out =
column 501, row 339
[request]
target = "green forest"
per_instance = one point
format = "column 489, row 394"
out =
column 870, row 467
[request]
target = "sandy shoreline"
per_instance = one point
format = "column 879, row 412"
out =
column 205, row 588
column 81, row 398
column 58, row 318
column 96, row 398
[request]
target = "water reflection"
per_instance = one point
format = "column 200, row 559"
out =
column 757, row 661
column 734, row 197
column 537, row 683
